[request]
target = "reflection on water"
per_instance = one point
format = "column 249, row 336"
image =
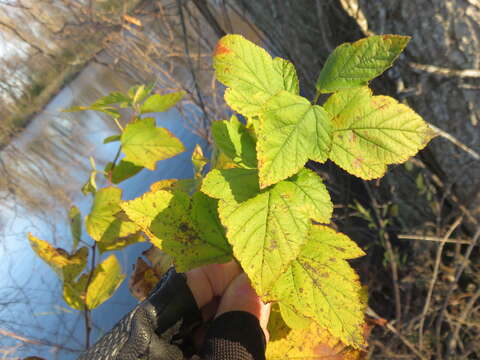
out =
column 43, row 170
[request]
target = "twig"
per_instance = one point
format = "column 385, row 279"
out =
column 432, row 238
column 456, row 142
column 391, row 254
column 86, row 312
column 460, row 270
column 467, row 73
column 452, row 342
column 391, row 328
column 434, row 279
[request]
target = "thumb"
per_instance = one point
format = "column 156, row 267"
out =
column 240, row 296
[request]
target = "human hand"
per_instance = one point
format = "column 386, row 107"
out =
column 233, row 286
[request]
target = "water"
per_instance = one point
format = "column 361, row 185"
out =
column 47, row 164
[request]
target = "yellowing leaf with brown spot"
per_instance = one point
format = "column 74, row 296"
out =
column 187, row 228
column 267, row 228
column 371, row 132
column 67, row 266
column 311, row 342
column 320, row 284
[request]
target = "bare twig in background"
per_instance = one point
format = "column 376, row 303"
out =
column 453, row 285
column 438, row 258
column 391, row 328
column 437, row 70
column 433, row 238
column 457, row 142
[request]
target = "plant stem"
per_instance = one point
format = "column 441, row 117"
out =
column 317, row 96
column 87, row 312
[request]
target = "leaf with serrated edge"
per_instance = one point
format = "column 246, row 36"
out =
column 319, row 284
column 310, row 342
column 292, row 131
column 144, row 144
column 143, row 210
column 231, row 184
column 185, row 228
column 160, row 103
column 66, row 265
column 371, row 132
column 353, row 65
column 106, row 278
column 267, row 229
column 101, row 223
column 250, row 73
column 190, row 231
column 233, row 139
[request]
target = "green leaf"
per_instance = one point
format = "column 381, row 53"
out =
column 160, row 103
column 292, row 318
column 250, row 73
column 121, row 242
column 113, row 98
column 144, row 144
column 101, row 223
column 138, row 93
column 75, row 225
column 105, row 109
column 199, row 161
column 112, row 138
column 91, row 185
column 353, row 65
column 320, row 284
column 124, row 170
column 233, row 139
column 288, row 73
column 267, row 229
column 186, row 228
column 231, row 184
column 371, row 132
column 291, row 132
column 106, row 278
column 74, row 292
column 66, row 265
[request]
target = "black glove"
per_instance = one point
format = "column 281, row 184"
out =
column 148, row 331
column 155, row 329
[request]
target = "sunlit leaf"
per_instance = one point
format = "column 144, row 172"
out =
column 319, row 284
column 353, row 65
column 160, row 103
column 106, row 278
column 112, row 138
column 74, row 292
column 185, row 228
column 138, row 93
column 371, row 132
column 120, row 242
column 75, row 218
column 311, row 342
column 113, row 98
column 199, row 161
column 233, row 139
column 250, row 73
column 144, row 144
column 267, row 229
column 291, row 132
column 66, row 265
column 102, row 224
column 91, row 185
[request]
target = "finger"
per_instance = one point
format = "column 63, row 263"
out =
column 220, row 275
column 240, row 296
